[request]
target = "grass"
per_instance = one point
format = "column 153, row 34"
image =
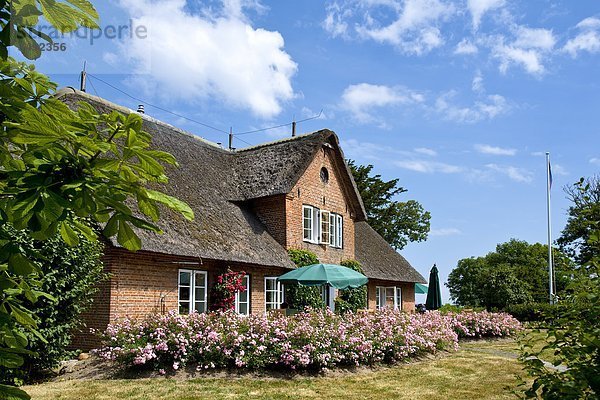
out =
column 479, row 370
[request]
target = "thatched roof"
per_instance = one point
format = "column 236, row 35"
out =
column 218, row 183
column 206, row 180
column 379, row 259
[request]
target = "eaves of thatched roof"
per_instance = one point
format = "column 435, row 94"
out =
column 379, row 260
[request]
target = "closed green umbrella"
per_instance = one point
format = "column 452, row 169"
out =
column 434, row 294
column 337, row 276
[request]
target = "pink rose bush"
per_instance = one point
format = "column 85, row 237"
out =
column 311, row 340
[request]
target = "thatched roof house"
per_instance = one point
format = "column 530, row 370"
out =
column 251, row 206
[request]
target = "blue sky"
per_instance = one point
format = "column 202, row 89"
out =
column 457, row 99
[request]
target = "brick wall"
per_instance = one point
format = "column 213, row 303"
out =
column 271, row 212
column 143, row 283
column 330, row 196
column 408, row 293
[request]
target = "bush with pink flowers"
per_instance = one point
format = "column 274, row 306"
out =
column 311, row 340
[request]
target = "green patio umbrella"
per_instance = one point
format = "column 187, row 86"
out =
column 434, row 294
column 420, row 288
column 337, row 276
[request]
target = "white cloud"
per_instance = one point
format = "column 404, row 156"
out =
column 444, row 232
column 465, row 47
column 477, row 84
column 587, row 40
column 414, row 28
column 529, row 49
column 514, row 173
column 558, row 169
column 494, row 150
column 490, row 107
column 210, row 53
column 595, row 161
column 426, row 151
column 479, row 7
column 362, row 98
column 428, row 167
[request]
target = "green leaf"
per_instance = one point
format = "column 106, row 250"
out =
column 10, row 360
column 127, row 237
column 112, row 226
column 22, row 317
column 68, row 234
column 172, row 203
column 13, row 393
column 20, row 265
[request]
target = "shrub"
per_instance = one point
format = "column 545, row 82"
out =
column 354, row 298
column 310, row 340
column 224, row 290
column 70, row 275
column 298, row 296
column 533, row 312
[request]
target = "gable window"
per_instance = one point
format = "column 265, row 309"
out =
column 336, row 228
column 273, row 293
column 242, row 299
column 325, row 227
column 192, row 291
column 311, row 224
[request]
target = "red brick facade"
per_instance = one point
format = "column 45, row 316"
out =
column 144, row 282
column 311, row 190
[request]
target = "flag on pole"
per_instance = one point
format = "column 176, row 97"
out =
column 550, row 173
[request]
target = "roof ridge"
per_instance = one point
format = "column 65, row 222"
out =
column 284, row 140
column 67, row 90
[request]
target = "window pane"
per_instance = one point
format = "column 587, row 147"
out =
column 200, row 307
column 243, row 296
column 270, row 297
column 184, row 278
column 200, row 293
column 184, row 307
column 200, row 279
column 270, row 283
column 243, row 309
column 184, row 293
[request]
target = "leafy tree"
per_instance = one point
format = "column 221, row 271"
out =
column 584, row 214
column 516, row 273
column 298, row 296
column 466, row 280
column 56, row 163
column 396, row 221
column 70, row 274
column 351, row 299
column 574, row 335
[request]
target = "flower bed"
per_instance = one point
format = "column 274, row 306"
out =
column 311, row 340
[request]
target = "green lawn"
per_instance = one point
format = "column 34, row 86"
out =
column 479, row 370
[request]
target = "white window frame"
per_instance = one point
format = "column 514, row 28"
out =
column 381, row 296
column 336, row 229
column 397, row 298
column 192, row 286
column 312, row 224
column 378, row 295
column 279, row 294
column 307, row 223
column 325, row 226
column 246, row 280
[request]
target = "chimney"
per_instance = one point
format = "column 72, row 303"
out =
column 141, row 109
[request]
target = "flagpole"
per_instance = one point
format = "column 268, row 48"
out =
column 550, row 266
